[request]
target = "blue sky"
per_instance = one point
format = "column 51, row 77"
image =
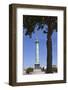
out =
column 29, row 48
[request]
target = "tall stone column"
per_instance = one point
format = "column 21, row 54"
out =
column 37, row 62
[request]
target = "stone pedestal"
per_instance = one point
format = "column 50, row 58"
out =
column 37, row 66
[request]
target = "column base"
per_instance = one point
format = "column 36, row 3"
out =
column 37, row 66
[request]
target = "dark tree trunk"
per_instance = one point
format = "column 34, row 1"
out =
column 49, row 56
column 49, row 50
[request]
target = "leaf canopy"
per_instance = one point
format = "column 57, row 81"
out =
column 29, row 22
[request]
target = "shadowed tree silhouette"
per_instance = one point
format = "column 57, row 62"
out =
column 29, row 22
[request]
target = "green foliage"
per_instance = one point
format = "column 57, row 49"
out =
column 54, row 69
column 29, row 70
column 30, row 22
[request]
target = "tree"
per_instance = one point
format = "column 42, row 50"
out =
column 29, row 70
column 30, row 22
